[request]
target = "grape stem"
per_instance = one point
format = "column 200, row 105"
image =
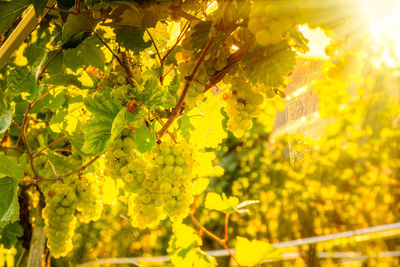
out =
column 64, row 10
column 120, row 61
column 185, row 28
column 11, row 148
column 176, row 110
column 177, row 10
column 48, row 62
column 222, row 242
column 49, row 145
column 76, row 171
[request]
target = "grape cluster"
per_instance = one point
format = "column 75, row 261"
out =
column 270, row 22
column 60, row 222
column 119, row 154
column 89, row 199
column 162, row 189
column 242, row 104
column 63, row 199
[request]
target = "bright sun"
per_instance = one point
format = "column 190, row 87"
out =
column 383, row 17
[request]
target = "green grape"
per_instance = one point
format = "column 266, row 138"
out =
column 89, row 199
column 119, row 154
column 58, row 215
column 269, row 22
column 242, row 105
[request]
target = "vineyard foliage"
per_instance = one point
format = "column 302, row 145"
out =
column 139, row 128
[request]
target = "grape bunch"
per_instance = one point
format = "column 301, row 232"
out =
column 270, row 22
column 89, row 199
column 161, row 189
column 63, row 199
column 58, row 215
column 118, row 155
column 174, row 164
column 242, row 105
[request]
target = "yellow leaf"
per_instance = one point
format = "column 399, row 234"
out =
column 215, row 202
column 199, row 186
column 249, row 253
column 208, row 130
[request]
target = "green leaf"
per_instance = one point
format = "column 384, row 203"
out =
column 9, row 167
column 36, row 56
column 58, row 123
column 144, row 139
column 270, row 64
column 65, row 4
column 9, row 12
column 87, row 53
column 10, row 233
column 249, row 253
column 63, row 79
column 22, row 81
column 123, row 119
column 77, row 141
column 76, row 29
column 131, row 38
column 96, row 140
column 9, row 206
column 98, row 131
column 5, row 119
column 39, row 6
column 200, row 35
column 57, row 101
column 102, row 105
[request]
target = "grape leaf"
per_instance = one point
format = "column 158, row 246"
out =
column 269, row 65
column 98, row 131
column 36, row 56
column 63, row 79
column 86, row 53
column 96, row 140
column 57, row 122
column 144, row 139
column 200, row 35
column 102, row 105
column 205, row 123
column 20, row 80
column 9, row 167
column 9, row 12
column 5, row 119
column 214, row 201
column 9, row 207
column 199, row 185
column 65, row 4
column 250, row 253
column 39, row 6
column 76, row 29
column 123, row 119
column 131, row 38
column 10, row 233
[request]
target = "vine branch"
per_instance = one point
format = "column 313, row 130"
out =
column 120, row 61
column 49, row 61
column 222, row 242
column 76, row 171
column 176, row 110
column 155, row 46
column 49, row 145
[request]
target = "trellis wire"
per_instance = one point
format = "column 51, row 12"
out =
column 286, row 256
